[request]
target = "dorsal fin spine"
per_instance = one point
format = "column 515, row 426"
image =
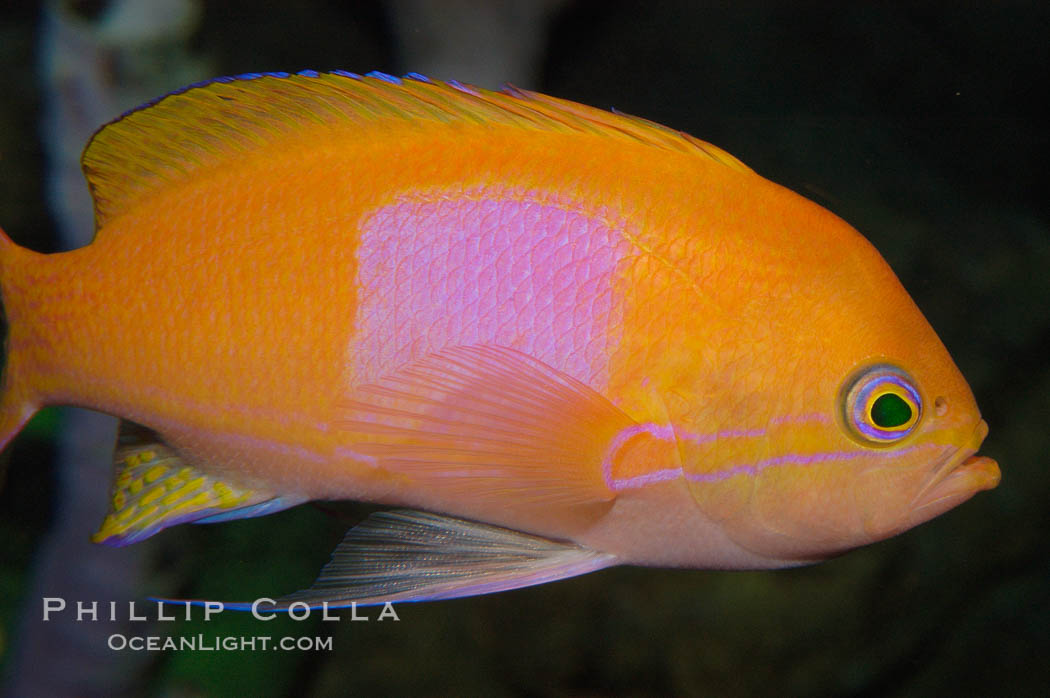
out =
column 202, row 124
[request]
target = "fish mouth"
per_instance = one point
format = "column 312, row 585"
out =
column 962, row 475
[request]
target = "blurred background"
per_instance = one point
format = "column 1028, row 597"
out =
column 923, row 124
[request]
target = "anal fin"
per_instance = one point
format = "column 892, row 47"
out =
column 405, row 555
column 153, row 489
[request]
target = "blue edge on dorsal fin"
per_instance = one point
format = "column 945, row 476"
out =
column 378, row 75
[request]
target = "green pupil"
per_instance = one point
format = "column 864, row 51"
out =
column 890, row 410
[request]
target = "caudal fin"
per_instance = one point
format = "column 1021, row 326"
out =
column 15, row 405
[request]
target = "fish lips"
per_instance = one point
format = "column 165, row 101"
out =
column 961, row 476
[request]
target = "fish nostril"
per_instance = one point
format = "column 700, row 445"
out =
column 940, row 406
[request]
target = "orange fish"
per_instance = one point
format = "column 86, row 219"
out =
column 574, row 338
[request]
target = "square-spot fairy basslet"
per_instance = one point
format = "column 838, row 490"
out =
column 555, row 338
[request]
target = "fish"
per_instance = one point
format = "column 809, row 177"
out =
column 548, row 338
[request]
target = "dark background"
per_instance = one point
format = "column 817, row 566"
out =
column 923, row 124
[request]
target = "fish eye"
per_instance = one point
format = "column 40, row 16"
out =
column 881, row 405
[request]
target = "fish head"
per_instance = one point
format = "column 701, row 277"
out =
column 849, row 421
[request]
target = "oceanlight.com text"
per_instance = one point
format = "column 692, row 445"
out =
column 228, row 643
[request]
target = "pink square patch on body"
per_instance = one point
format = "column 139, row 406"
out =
column 530, row 270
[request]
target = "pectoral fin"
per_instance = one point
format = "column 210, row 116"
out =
column 407, row 555
column 489, row 423
column 153, row 489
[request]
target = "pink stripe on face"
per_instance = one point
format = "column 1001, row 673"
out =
column 665, row 432
column 523, row 269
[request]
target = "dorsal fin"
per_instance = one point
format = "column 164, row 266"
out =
column 189, row 130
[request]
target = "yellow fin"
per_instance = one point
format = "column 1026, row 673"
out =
column 489, row 423
column 154, row 489
column 211, row 123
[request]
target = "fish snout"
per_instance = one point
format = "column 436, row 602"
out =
column 963, row 475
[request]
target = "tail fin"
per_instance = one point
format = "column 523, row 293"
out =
column 15, row 406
